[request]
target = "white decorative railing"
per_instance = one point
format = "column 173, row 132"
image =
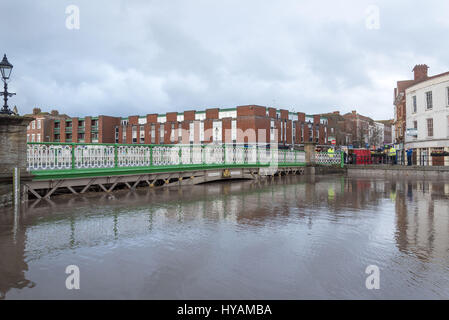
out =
column 56, row 156
column 87, row 156
column 326, row 158
column 49, row 157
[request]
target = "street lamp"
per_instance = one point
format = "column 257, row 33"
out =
column 5, row 68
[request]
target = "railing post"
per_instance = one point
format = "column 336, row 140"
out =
column 73, row 156
column 203, row 155
column 115, row 156
column 342, row 163
column 257, row 155
column 224, row 153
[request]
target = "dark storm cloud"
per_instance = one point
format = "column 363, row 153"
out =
column 138, row 57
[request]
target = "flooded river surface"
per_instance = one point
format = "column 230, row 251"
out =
column 290, row 238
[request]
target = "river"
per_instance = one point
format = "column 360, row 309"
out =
column 294, row 237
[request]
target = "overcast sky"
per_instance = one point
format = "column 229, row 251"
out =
column 138, row 57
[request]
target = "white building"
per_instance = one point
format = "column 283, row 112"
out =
column 376, row 134
column 427, row 119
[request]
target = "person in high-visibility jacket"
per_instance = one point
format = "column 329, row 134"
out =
column 331, row 152
column 392, row 155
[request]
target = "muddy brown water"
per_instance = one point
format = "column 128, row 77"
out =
column 290, row 238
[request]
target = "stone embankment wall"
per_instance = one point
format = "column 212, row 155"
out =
column 386, row 171
column 12, row 153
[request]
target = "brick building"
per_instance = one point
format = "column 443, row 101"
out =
column 40, row 129
column 420, row 74
column 85, row 130
column 243, row 124
column 339, row 129
column 354, row 129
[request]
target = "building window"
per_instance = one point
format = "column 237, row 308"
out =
column 202, row 131
column 285, row 131
column 134, row 134
column 80, row 137
column 302, row 132
column 116, row 134
column 282, row 130
column 153, row 133
column 38, row 123
column 430, row 127
column 161, row 133
column 81, row 123
column 272, row 130
column 38, row 137
column 310, row 133
column 33, row 124
column 414, row 104
column 217, row 131
column 68, row 137
column 294, row 133
column 28, row 137
column 56, row 125
column 429, row 102
column 415, row 125
column 142, row 134
column 94, row 136
column 94, row 123
column 57, row 137
column 179, row 132
column 234, row 130
column 124, row 134
column 172, row 133
column 68, row 124
column 191, row 131
column 32, row 137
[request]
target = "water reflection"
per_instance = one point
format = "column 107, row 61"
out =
column 342, row 217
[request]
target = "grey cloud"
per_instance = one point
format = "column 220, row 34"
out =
column 155, row 56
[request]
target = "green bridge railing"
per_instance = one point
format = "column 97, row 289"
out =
column 53, row 160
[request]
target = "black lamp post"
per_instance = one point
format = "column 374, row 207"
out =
column 5, row 68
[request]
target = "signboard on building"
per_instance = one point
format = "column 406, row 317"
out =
column 413, row 132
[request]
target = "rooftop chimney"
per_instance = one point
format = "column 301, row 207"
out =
column 420, row 71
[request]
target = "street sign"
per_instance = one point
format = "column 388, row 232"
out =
column 334, row 142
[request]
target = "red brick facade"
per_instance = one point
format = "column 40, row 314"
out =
column 243, row 124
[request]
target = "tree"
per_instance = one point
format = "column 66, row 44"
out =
column 376, row 135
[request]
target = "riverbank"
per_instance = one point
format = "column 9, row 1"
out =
column 420, row 172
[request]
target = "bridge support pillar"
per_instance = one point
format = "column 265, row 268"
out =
column 309, row 148
column 13, row 157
